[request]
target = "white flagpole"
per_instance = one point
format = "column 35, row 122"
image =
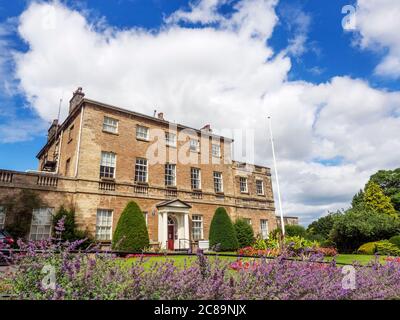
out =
column 276, row 177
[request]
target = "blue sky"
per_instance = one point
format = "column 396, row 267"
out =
column 315, row 77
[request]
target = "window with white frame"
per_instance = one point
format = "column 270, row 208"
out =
column 218, row 183
column 142, row 132
column 2, row 217
column 197, row 227
column 264, row 228
column 107, row 165
column 216, row 150
column 170, row 139
column 104, row 224
column 170, row 174
column 243, row 184
column 41, row 223
column 194, row 145
column 110, row 125
column 141, row 170
column 260, row 187
column 195, row 178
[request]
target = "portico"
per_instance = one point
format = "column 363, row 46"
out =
column 173, row 224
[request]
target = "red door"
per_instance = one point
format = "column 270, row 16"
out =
column 171, row 237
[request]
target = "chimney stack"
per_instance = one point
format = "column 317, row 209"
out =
column 160, row 116
column 53, row 129
column 76, row 98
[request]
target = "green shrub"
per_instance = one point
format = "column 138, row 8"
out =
column 387, row 248
column 395, row 240
column 70, row 233
column 276, row 234
column 327, row 243
column 222, row 232
column 244, row 233
column 131, row 231
column 360, row 225
column 367, row 248
column 261, row 244
column 295, row 230
column 297, row 242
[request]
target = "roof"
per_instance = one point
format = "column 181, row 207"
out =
column 169, row 202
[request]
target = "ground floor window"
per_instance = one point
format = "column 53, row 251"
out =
column 2, row 217
column 145, row 215
column 104, row 224
column 264, row 228
column 197, row 227
column 41, row 223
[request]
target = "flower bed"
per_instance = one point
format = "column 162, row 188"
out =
column 252, row 252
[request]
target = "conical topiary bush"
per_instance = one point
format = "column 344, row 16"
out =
column 222, row 232
column 131, row 232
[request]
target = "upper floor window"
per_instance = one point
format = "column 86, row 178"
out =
column 264, row 228
column 170, row 174
column 70, row 133
column 194, row 145
column 110, row 125
column 107, row 165
column 260, row 187
column 195, row 178
column 142, row 132
column 170, row 139
column 41, row 223
column 197, row 227
column 218, row 184
column 141, row 170
column 2, row 217
column 243, row 184
column 216, row 150
column 104, row 224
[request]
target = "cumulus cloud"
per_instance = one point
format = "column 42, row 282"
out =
column 378, row 24
column 222, row 73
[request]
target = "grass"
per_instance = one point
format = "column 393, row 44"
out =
column 181, row 260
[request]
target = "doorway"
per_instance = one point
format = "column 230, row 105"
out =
column 171, row 233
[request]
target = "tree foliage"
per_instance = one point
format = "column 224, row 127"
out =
column 360, row 225
column 375, row 199
column 222, row 232
column 323, row 226
column 389, row 181
column 131, row 232
column 292, row 230
column 244, row 233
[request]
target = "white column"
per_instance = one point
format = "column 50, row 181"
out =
column 186, row 229
column 165, row 230
column 160, row 228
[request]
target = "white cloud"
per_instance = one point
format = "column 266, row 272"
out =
column 378, row 24
column 226, row 75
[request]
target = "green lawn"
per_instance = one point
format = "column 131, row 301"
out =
column 350, row 258
column 180, row 260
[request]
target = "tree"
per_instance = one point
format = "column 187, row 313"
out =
column 375, row 199
column 323, row 226
column 71, row 232
column 292, row 230
column 358, row 199
column 360, row 225
column 389, row 181
column 222, row 232
column 131, row 232
column 244, row 233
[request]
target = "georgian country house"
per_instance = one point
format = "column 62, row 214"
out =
column 101, row 157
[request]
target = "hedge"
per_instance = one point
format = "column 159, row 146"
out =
column 131, row 232
column 222, row 233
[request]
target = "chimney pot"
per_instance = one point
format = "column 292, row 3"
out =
column 160, row 116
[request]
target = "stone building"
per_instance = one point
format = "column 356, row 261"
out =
column 103, row 156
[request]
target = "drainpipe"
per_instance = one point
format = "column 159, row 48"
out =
column 79, row 142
